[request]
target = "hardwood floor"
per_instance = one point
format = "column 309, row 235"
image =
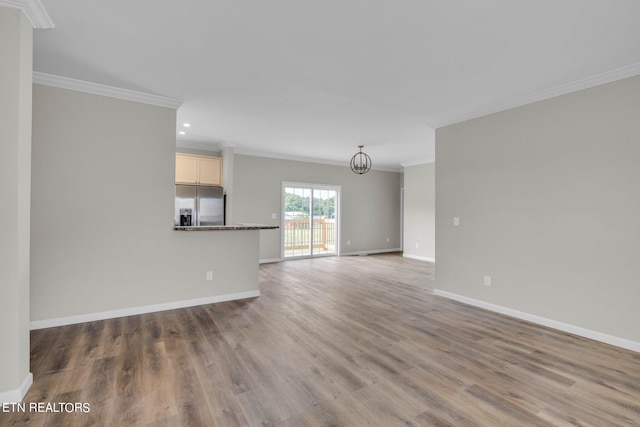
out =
column 347, row 341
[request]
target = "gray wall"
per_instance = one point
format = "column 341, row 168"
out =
column 370, row 202
column 16, row 49
column 548, row 200
column 102, row 213
column 420, row 212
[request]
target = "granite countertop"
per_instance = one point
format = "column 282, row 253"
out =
column 227, row 227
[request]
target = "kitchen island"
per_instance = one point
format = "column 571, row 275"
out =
column 227, row 227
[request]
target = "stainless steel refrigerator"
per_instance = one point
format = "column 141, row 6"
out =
column 206, row 204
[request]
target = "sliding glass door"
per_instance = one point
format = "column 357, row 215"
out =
column 310, row 220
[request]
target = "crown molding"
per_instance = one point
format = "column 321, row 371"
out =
column 104, row 90
column 418, row 162
column 195, row 145
column 585, row 83
column 33, row 10
column 248, row 152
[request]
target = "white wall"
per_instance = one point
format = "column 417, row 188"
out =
column 102, row 217
column 548, row 199
column 16, row 49
column 420, row 212
column 370, row 202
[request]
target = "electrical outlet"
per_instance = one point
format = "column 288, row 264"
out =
column 456, row 221
column 417, row 245
column 209, row 275
column 387, row 240
column 274, row 216
column 348, row 242
column 487, row 280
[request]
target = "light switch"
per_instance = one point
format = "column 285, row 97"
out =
column 456, row 221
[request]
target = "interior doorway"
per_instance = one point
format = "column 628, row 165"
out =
column 310, row 220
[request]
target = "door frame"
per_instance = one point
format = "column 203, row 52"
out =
column 338, row 213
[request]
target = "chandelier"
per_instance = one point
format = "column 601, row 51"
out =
column 360, row 162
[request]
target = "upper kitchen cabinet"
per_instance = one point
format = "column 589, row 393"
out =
column 209, row 171
column 198, row 170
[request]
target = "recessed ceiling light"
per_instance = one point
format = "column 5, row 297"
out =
column 187, row 125
column 182, row 132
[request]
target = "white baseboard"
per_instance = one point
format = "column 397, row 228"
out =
column 418, row 257
column 565, row 327
column 15, row 396
column 90, row 317
column 374, row 251
column 270, row 260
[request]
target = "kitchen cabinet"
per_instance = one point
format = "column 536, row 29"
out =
column 198, row 170
column 209, row 171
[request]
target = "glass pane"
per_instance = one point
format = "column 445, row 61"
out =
column 324, row 222
column 309, row 222
column 297, row 230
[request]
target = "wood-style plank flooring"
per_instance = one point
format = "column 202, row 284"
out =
column 351, row 341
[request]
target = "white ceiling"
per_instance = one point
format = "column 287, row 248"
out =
column 315, row 79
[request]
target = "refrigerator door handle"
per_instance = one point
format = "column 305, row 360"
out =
column 197, row 213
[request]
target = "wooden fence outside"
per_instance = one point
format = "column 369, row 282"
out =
column 297, row 235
